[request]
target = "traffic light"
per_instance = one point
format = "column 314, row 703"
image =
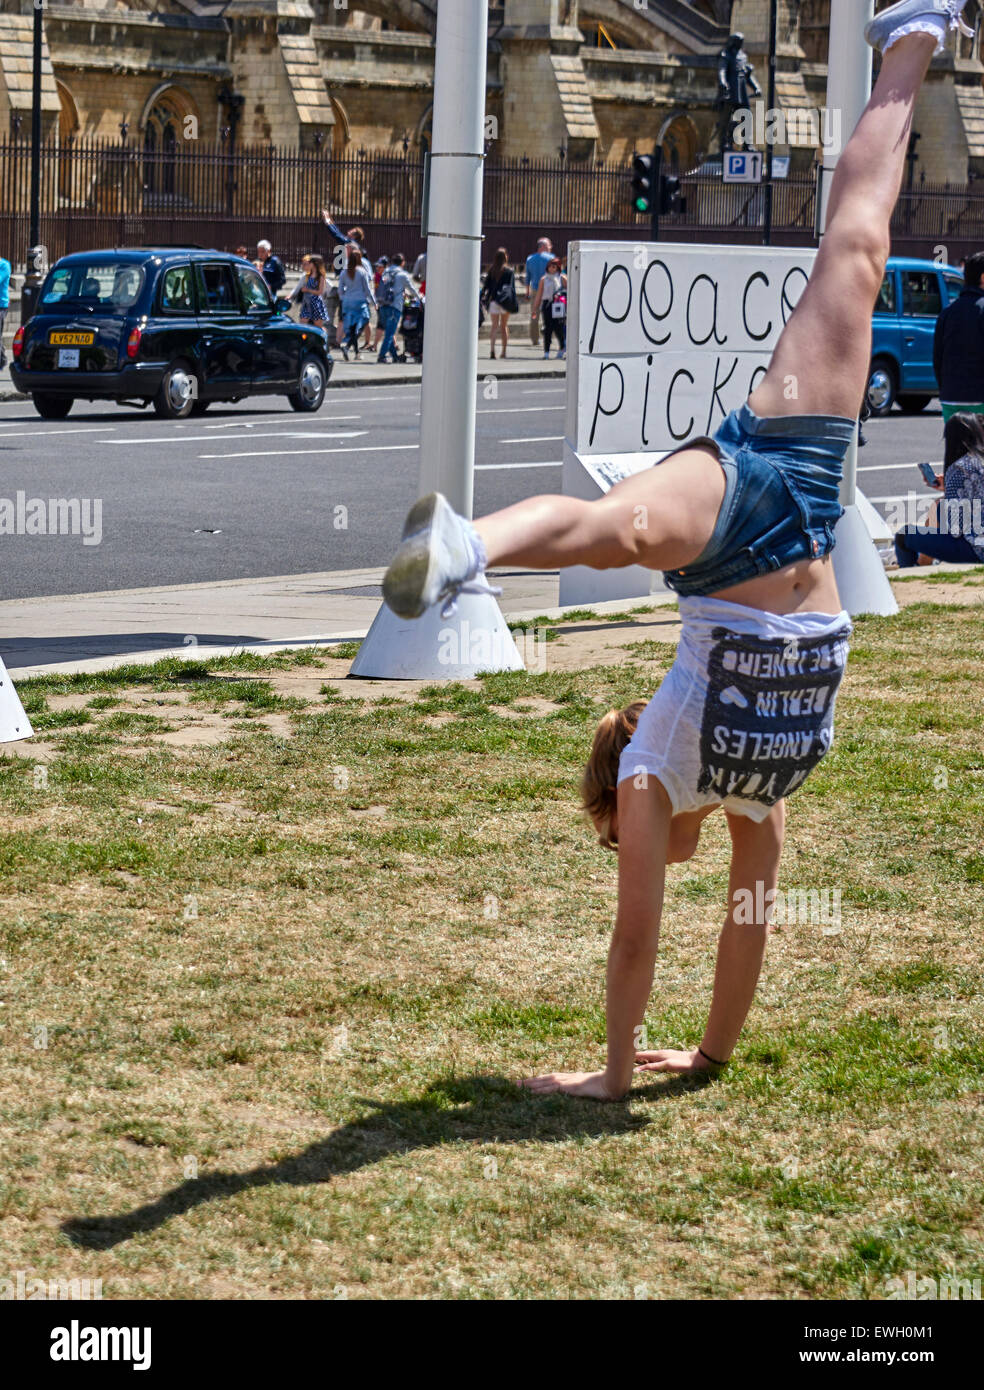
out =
column 644, row 176
column 671, row 197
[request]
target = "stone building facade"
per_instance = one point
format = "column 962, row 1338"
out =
column 583, row 79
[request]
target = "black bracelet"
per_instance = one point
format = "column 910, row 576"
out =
column 713, row 1061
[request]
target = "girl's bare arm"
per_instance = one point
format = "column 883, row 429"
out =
column 755, row 854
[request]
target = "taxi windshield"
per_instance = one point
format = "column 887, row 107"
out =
column 106, row 287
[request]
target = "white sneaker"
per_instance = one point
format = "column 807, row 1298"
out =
column 440, row 557
column 914, row 17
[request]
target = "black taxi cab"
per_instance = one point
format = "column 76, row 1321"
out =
column 177, row 328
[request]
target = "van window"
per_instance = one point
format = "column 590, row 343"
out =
column 885, row 303
column 220, row 292
column 921, row 294
column 176, row 291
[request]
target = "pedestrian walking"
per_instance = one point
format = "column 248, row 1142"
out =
column 395, row 287
column 499, row 297
column 4, row 305
column 357, row 299
column 550, row 301
column 536, row 265
column 314, row 291
column 958, row 346
column 270, row 267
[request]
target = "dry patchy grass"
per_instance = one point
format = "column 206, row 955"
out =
column 268, row 979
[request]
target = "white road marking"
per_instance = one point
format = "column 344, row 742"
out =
column 294, row 453
column 270, row 434
column 907, row 496
column 519, row 410
column 81, row 429
column 275, row 419
column 535, row 439
column 488, row 467
column 542, row 390
column 522, row 409
column 886, row 467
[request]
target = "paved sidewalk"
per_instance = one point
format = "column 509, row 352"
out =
column 91, row 632
column 95, row 632
column 524, row 362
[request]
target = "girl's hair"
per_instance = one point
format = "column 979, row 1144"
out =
column 317, row 264
column 354, row 260
column 599, row 785
column 964, row 434
column 555, row 261
column 501, row 260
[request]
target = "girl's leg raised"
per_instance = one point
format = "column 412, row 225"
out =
column 820, row 365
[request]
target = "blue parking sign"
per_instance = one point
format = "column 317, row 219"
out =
column 743, row 166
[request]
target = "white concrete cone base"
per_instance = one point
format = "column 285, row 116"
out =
column 861, row 577
column 14, row 723
column 474, row 639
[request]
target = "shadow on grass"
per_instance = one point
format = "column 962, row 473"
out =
column 470, row 1110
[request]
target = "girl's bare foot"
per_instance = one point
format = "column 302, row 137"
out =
column 670, row 1060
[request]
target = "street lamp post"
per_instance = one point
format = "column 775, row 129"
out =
column 769, row 144
column 35, row 255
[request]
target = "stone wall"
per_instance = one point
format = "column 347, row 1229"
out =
column 361, row 76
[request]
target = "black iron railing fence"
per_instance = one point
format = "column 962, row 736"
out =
column 105, row 193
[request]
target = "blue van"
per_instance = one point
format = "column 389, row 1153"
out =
column 912, row 297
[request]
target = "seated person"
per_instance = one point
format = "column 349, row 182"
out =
column 954, row 530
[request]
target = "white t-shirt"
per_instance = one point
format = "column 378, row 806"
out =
column 746, row 711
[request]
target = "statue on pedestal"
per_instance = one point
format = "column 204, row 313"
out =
column 736, row 87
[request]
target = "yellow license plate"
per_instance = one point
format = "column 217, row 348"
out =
column 72, row 339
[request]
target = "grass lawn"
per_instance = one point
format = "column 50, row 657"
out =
column 274, row 948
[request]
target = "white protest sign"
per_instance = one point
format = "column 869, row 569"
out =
column 670, row 339
column 664, row 341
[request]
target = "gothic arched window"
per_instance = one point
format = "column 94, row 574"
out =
column 162, row 134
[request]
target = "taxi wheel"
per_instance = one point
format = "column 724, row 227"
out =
column 883, row 386
column 177, row 394
column 200, row 407
column 53, row 407
column 310, row 393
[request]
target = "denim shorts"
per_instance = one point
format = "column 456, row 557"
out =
column 781, row 499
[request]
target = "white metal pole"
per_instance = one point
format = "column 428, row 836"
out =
column 454, row 249
column 848, row 93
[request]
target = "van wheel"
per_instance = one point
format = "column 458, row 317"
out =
column 53, row 407
column 883, row 386
column 310, row 393
column 177, row 394
column 911, row 405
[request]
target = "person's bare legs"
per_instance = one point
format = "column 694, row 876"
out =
column 820, row 365
column 662, row 519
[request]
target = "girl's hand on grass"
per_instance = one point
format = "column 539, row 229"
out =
column 670, row 1060
column 592, row 1085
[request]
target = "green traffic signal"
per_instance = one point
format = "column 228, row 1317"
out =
column 644, row 181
